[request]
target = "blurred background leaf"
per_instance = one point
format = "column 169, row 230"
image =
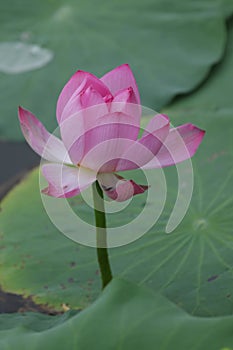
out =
column 171, row 46
column 214, row 99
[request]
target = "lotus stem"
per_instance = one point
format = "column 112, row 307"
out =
column 101, row 234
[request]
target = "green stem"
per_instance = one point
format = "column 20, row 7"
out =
column 101, row 234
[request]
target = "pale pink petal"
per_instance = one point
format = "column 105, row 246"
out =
column 156, row 123
column 126, row 95
column 118, row 188
column 78, row 82
column 80, row 127
column 181, row 144
column 41, row 141
column 78, row 103
column 87, row 110
column 125, row 102
column 91, row 97
column 66, row 181
column 93, row 142
column 122, row 118
column 143, row 150
column 121, row 78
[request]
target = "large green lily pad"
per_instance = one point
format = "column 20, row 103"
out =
column 214, row 99
column 170, row 46
column 192, row 265
column 124, row 317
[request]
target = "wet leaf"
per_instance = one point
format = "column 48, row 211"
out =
column 18, row 57
column 171, row 47
column 125, row 316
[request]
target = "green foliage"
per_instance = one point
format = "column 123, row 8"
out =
column 170, row 45
column 125, row 316
column 192, row 266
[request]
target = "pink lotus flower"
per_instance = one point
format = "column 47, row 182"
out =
column 99, row 122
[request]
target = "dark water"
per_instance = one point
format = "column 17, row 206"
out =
column 10, row 303
column 16, row 160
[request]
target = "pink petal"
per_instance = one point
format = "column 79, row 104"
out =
column 181, row 144
column 142, row 151
column 79, row 130
column 126, row 95
column 80, row 102
column 118, row 188
column 156, row 123
column 125, row 102
column 99, row 144
column 88, row 110
column 78, row 82
column 41, row 141
column 121, row 78
column 66, row 181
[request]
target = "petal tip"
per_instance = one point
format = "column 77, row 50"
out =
column 124, row 65
column 198, row 135
column 24, row 115
column 199, row 131
column 21, row 112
